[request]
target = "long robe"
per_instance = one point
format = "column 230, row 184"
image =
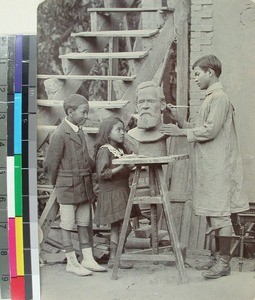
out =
column 217, row 174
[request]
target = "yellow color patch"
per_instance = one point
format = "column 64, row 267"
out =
column 19, row 246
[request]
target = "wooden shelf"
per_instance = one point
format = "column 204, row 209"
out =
column 117, row 33
column 50, row 128
column 124, row 10
column 105, row 55
column 144, row 160
column 87, row 77
column 92, row 104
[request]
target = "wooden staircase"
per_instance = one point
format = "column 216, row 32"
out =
column 144, row 59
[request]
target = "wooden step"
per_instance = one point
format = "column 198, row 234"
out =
column 50, row 128
column 105, row 55
column 117, row 33
column 87, row 77
column 126, row 10
column 92, row 104
column 44, row 187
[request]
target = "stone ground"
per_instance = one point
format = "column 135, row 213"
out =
column 148, row 281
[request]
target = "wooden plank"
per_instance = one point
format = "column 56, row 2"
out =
column 148, row 200
column 87, row 77
column 48, row 215
column 194, row 230
column 148, row 257
column 117, row 33
column 172, row 196
column 149, row 20
column 201, row 233
column 179, row 196
column 51, row 128
column 186, row 223
column 45, row 185
column 153, row 207
column 105, row 55
column 113, row 67
column 142, row 160
column 92, row 104
column 126, row 10
column 182, row 84
column 162, row 250
column 167, row 249
column 177, row 216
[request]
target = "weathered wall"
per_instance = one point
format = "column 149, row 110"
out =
column 226, row 28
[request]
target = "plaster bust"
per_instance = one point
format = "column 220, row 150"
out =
column 150, row 102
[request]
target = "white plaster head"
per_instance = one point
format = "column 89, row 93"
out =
column 150, row 101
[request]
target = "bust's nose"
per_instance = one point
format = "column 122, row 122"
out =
column 145, row 105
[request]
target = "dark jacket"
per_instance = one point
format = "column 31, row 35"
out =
column 69, row 166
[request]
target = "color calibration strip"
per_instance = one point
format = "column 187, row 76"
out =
column 19, row 258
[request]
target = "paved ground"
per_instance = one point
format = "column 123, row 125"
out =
column 147, row 281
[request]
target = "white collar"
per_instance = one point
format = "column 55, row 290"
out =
column 213, row 87
column 116, row 152
column 73, row 126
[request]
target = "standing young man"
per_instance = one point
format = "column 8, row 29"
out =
column 216, row 161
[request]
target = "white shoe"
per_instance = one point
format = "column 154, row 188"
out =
column 73, row 266
column 88, row 261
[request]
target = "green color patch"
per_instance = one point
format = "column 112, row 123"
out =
column 18, row 184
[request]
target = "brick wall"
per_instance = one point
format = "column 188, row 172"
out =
column 201, row 44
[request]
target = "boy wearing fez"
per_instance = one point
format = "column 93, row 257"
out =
column 217, row 174
column 69, row 168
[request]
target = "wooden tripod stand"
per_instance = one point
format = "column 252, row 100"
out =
column 158, row 195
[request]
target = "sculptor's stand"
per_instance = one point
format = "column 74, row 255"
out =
column 158, row 195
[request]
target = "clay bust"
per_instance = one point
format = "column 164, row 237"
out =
column 146, row 138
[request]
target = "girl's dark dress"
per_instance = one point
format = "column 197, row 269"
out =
column 113, row 190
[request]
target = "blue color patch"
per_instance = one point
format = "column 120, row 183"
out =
column 17, row 123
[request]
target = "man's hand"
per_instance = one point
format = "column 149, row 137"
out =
column 174, row 115
column 173, row 112
column 172, row 130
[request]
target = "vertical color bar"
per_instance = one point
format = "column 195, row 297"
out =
column 19, row 246
column 18, row 185
column 35, row 273
column 10, row 125
column 12, row 247
column 17, row 123
column 18, row 288
column 10, row 187
column 18, row 64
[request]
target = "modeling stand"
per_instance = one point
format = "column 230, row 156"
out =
column 158, row 195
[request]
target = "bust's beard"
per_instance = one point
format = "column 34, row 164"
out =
column 147, row 121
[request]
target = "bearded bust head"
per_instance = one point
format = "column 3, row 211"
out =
column 146, row 138
column 150, row 102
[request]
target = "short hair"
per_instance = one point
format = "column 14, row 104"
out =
column 146, row 84
column 209, row 62
column 73, row 101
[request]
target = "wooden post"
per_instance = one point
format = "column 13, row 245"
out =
column 151, row 20
column 112, row 68
column 182, row 67
column 154, row 225
column 49, row 215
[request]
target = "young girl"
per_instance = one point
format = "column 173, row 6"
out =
column 113, row 182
